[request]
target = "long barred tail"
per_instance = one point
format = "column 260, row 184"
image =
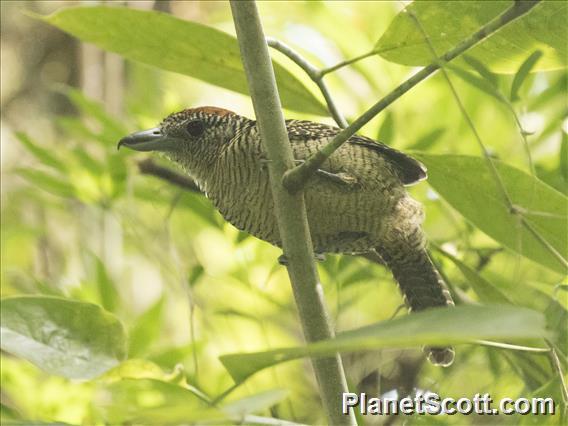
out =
column 422, row 288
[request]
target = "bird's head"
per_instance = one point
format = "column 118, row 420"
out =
column 187, row 136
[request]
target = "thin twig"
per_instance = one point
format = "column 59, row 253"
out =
column 342, row 64
column 523, row 136
column 315, row 75
column 295, row 179
column 558, row 367
column 510, row 346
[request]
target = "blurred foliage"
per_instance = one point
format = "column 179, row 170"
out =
column 83, row 230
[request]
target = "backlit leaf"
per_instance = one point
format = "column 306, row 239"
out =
column 72, row 339
column 449, row 22
column 433, row 327
column 468, row 185
column 177, row 45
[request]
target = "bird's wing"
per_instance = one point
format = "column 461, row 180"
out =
column 408, row 169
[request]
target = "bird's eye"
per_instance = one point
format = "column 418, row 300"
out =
column 195, row 128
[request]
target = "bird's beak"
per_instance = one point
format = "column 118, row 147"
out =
column 148, row 140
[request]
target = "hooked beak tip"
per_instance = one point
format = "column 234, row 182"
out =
column 146, row 140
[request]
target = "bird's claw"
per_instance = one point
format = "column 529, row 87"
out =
column 319, row 257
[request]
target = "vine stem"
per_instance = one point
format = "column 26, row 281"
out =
column 290, row 209
column 295, row 178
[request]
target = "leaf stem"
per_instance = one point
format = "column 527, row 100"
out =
column 290, row 209
column 295, row 179
column 544, row 243
column 342, row 64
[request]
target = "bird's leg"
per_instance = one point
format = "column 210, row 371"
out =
column 341, row 177
column 283, row 260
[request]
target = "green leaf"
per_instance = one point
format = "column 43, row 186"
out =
column 259, row 420
column 108, row 295
column 134, row 369
column 448, row 23
column 47, row 182
column 468, row 185
column 72, row 339
column 387, row 128
column 171, row 356
column 112, row 130
column 444, row 326
column 86, row 161
column 429, row 139
column 475, row 81
column 41, row 154
column 145, row 330
column 557, row 318
column 486, row 291
column 173, row 44
column 523, row 72
column 563, row 160
column 482, row 70
column 151, row 401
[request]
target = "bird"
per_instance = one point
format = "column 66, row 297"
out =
column 356, row 202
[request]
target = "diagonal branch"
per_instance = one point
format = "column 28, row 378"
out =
column 150, row 167
column 295, row 179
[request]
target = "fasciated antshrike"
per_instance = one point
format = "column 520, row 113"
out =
column 356, row 202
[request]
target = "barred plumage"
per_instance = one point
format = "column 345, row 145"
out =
column 356, row 203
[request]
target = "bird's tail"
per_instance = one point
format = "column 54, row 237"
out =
column 422, row 288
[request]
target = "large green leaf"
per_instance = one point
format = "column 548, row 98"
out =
column 434, row 327
column 173, row 44
column 72, row 339
column 449, row 22
column 468, row 185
